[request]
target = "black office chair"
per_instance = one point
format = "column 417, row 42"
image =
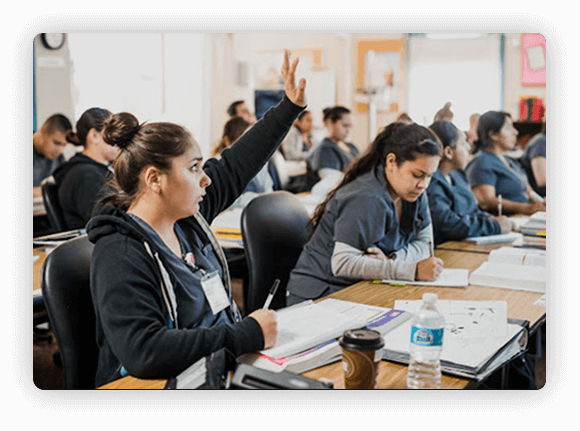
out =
column 274, row 230
column 65, row 288
column 52, row 204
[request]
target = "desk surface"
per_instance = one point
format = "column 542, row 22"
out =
column 37, row 269
column 391, row 375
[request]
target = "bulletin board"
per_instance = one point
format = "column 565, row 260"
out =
column 389, row 54
column 533, row 59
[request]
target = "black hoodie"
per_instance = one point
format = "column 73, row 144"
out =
column 133, row 330
column 79, row 181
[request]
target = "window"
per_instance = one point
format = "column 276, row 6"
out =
column 463, row 69
column 156, row 77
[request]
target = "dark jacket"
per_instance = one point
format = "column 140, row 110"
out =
column 79, row 182
column 454, row 210
column 134, row 332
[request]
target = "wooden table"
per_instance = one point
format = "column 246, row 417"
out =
column 474, row 248
column 392, row 375
column 37, row 269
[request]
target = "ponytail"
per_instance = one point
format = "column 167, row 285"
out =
column 405, row 141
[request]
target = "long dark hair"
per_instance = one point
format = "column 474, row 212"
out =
column 233, row 129
column 405, row 141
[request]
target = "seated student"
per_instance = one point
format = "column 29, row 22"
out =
column 298, row 142
column 81, row 178
column 48, row 144
column 240, row 109
column 158, row 272
column 333, row 155
column 534, row 162
column 375, row 224
column 262, row 182
column 491, row 173
column 444, row 114
column 453, row 206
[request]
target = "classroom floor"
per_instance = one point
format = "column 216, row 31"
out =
column 49, row 375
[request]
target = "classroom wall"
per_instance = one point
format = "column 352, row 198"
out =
column 203, row 73
column 513, row 88
column 53, row 89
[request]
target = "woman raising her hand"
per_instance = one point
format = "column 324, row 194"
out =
column 159, row 279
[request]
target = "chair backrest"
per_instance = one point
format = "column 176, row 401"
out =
column 274, row 230
column 52, row 204
column 65, row 287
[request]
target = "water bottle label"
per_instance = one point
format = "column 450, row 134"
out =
column 426, row 337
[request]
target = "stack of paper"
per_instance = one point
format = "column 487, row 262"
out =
column 510, row 276
column 376, row 318
column 535, row 225
column 494, row 239
column 476, row 340
column 449, row 277
column 518, row 256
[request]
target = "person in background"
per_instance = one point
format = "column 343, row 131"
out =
column 444, row 114
column 298, row 143
column 334, row 154
column 240, row 109
column 533, row 160
column 472, row 132
column 491, row 173
column 375, row 224
column 262, row 182
column 81, row 178
column 48, row 144
column 160, row 283
column 404, row 118
column 453, row 206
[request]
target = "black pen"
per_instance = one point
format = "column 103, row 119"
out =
column 271, row 294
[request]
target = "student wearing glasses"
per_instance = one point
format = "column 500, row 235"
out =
column 375, row 224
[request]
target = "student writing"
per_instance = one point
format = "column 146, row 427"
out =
column 454, row 209
column 492, row 173
column 375, row 224
column 81, row 178
column 159, row 279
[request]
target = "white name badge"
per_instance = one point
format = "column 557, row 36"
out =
column 215, row 292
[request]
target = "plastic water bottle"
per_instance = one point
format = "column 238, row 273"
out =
column 425, row 348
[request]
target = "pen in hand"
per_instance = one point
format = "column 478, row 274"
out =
column 271, row 294
column 499, row 205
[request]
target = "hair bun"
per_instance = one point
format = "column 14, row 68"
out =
column 73, row 138
column 119, row 129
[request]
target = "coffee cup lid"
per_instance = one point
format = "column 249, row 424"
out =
column 361, row 339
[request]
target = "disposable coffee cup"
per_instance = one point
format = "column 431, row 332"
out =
column 361, row 356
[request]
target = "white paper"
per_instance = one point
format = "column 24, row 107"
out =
column 518, row 256
column 494, row 239
column 304, row 327
column 506, row 276
column 541, row 301
column 449, row 277
column 467, row 319
column 471, row 351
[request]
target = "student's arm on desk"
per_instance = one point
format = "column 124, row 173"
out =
column 351, row 263
column 488, row 201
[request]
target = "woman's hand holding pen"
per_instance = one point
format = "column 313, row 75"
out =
column 505, row 223
column 429, row 269
column 267, row 321
column 295, row 94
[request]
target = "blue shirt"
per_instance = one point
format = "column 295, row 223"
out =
column 193, row 310
column 361, row 214
column 535, row 148
column 486, row 168
column 455, row 211
column 328, row 155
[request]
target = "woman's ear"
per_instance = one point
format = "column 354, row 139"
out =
column 390, row 162
column 152, row 177
column 448, row 153
column 93, row 137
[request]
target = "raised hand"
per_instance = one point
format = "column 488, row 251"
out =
column 295, row 94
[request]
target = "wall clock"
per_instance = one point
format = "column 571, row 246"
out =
column 52, row 40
